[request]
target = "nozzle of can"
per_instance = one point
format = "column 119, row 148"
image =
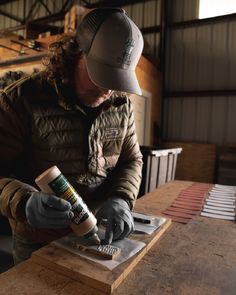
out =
column 96, row 239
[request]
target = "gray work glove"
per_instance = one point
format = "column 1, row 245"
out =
column 120, row 223
column 48, row 211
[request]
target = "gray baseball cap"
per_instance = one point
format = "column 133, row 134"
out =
column 112, row 44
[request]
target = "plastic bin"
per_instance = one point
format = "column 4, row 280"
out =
column 159, row 166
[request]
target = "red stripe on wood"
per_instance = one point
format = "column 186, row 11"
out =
column 186, row 200
column 187, row 206
column 198, row 189
column 197, row 203
column 193, row 193
column 190, row 198
column 192, row 212
column 178, row 214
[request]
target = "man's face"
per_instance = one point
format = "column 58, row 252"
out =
column 88, row 93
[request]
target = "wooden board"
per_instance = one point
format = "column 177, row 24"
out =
column 196, row 162
column 86, row 272
column 149, row 79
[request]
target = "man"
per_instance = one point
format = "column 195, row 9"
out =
column 73, row 115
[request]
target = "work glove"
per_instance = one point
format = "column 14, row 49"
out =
column 119, row 220
column 48, row 211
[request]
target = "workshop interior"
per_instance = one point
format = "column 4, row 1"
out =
column 184, row 217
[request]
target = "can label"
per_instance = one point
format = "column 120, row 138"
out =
column 63, row 189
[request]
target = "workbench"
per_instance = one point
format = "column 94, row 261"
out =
column 198, row 258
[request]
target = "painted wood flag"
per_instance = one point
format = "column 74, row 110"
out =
column 214, row 201
column 220, row 202
column 188, row 203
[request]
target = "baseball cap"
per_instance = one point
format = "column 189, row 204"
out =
column 112, row 44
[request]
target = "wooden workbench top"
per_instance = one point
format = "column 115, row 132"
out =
column 198, row 258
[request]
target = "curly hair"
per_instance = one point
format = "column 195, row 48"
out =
column 60, row 60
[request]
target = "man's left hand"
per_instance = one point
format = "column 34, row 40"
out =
column 120, row 223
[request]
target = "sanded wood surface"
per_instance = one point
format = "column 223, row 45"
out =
column 87, row 272
column 29, row 278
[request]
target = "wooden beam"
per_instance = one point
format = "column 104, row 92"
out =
column 2, row 2
column 113, row 3
column 22, row 59
column 34, row 29
column 201, row 93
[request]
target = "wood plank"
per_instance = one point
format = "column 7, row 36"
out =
column 186, row 206
column 191, row 212
column 196, row 192
column 205, row 214
column 30, row 278
column 180, row 202
column 196, row 162
column 189, row 201
column 84, row 271
column 189, row 198
column 178, row 214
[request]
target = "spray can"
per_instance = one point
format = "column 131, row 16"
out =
column 84, row 222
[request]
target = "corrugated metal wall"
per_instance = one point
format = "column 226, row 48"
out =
column 201, row 57
column 145, row 14
column 201, row 119
column 182, row 10
column 21, row 9
column 11, row 8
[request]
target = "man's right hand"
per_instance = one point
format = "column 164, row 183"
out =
column 48, row 211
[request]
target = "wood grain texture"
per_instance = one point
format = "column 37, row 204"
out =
column 29, row 278
column 88, row 273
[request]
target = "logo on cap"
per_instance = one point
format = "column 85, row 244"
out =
column 125, row 58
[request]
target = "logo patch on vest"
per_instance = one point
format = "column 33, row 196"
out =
column 111, row 133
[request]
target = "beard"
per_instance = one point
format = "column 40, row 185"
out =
column 93, row 97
